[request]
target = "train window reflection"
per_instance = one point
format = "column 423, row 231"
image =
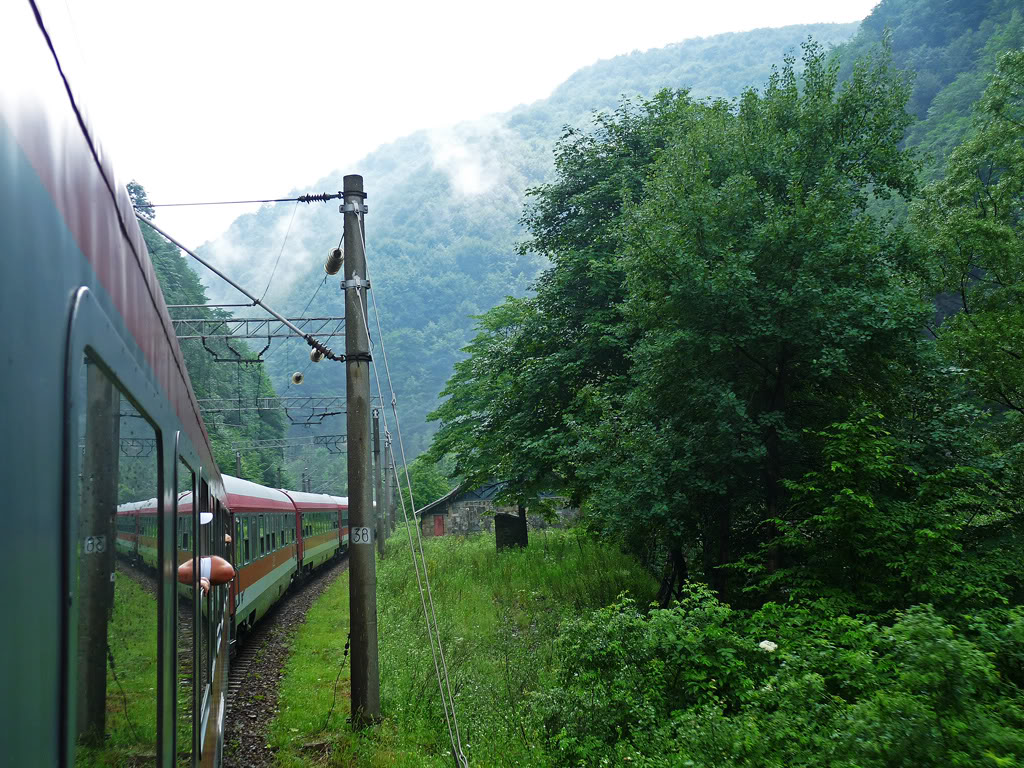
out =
column 114, row 587
column 186, row 620
column 204, row 548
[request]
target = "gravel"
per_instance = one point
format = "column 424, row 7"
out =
column 258, row 668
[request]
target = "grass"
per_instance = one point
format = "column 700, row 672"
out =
column 131, row 683
column 498, row 615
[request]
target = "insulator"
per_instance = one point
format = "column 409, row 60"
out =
column 297, row 377
column 316, row 355
column 333, row 264
column 323, row 197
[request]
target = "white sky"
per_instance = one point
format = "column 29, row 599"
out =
column 223, row 100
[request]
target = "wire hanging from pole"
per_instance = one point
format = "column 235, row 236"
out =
column 313, row 342
column 279, row 253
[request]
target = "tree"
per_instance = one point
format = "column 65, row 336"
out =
column 768, row 301
column 429, row 483
column 532, row 360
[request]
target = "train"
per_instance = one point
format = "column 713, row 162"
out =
column 273, row 537
column 106, row 459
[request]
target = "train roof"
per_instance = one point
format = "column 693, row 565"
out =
column 305, row 500
column 342, row 501
column 134, row 506
column 247, row 496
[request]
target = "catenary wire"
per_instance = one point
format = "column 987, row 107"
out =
column 256, row 302
column 321, row 198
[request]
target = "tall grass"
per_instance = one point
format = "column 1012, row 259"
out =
column 130, row 720
column 498, row 615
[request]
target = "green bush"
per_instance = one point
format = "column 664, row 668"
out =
column 692, row 686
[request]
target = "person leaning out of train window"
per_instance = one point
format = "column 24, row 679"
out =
column 212, row 570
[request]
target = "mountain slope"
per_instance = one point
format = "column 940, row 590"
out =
column 445, row 209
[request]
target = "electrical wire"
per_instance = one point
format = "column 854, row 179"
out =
column 433, row 632
column 279, row 253
column 321, row 198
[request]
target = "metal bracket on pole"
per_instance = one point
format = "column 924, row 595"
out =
column 353, row 208
column 356, row 282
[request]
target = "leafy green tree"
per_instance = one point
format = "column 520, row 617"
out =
column 767, row 300
column 429, row 483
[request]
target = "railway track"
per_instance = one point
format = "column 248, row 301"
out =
column 257, row 668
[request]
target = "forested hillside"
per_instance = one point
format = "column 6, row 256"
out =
column 444, row 216
column 211, row 379
column 734, row 366
column 707, row 315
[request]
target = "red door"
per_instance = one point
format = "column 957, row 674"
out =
column 439, row 525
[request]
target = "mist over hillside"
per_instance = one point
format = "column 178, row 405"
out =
column 444, row 210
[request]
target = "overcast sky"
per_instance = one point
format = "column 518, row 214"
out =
column 222, row 100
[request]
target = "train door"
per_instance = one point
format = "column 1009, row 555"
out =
column 113, row 670
column 236, row 560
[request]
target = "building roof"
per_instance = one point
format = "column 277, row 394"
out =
column 441, row 505
column 486, row 492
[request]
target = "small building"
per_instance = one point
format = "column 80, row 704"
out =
column 463, row 511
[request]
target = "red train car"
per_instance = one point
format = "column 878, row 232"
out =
column 266, row 542
column 320, row 522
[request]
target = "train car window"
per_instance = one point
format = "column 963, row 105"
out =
column 263, row 542
column 114, row 605
column 186, row 619
column 238, row 542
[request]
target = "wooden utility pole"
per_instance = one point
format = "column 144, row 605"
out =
column 378, row 504
column 95, row 550
column 238, row 463
column 362, row 563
